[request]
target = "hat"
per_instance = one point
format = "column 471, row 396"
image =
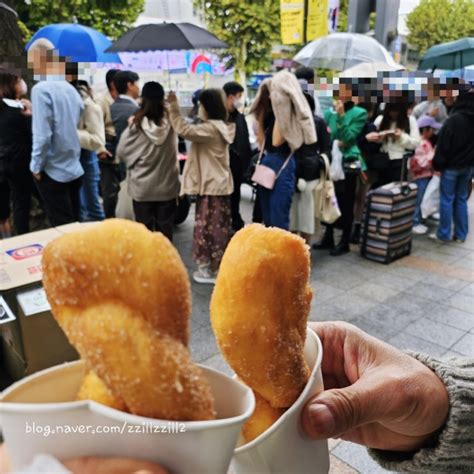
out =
column 427, row 121
column 153, row 90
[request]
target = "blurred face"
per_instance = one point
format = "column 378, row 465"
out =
column 449, row 100
column 21, row 89
column 38, row 61
column 113, row 90
column 394, row 114
column 428, row 132
column 134, row 89
column 235, row 101
column 344, row 93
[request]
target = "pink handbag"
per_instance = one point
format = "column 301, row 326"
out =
column 264, row 175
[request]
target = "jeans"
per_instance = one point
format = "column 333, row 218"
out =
column 91, row 209
column 110, row 176
column 61, row 200
column 421, row 183
column 454, row 190
column 276, row 202
column 157, row 216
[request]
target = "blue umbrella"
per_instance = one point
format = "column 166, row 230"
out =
column 79, row 43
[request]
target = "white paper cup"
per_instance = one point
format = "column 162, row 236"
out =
column 42, row 402
column 284, row 448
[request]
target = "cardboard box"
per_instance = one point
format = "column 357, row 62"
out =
column 75, row 226
column 31, row 340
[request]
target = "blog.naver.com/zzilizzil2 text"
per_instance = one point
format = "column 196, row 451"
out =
column 171, row 427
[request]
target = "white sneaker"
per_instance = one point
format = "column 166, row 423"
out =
column 434, row 237
column 204, row 275
column 420, row 229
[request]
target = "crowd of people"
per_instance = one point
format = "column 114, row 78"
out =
column 72, row 150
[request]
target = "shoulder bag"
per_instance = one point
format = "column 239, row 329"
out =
column 326, row 207
column 266, row 176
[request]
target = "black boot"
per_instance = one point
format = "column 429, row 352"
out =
column 326, row 243
column 355, row 237
column 341, row 248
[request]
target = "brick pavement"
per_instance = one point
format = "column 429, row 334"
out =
column 424, row 302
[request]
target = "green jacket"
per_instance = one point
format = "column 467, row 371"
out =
column 347, row 129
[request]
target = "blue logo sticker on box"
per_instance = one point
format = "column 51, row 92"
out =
column 23, row 253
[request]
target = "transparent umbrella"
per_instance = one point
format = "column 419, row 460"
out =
column 370, row 70
column 340, row 51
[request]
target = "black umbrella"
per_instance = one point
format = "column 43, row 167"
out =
column 166, row 37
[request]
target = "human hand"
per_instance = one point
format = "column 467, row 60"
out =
column 372, row 137
column 104, row 155
column 131, row 119
column 434, row 112
column 172, row 98
column 339, row 107
column 397, row 134
column 27, row 107
column 374, row 395
column 37, row 176
column 99, row 465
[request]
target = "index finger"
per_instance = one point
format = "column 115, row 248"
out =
column 339, row 365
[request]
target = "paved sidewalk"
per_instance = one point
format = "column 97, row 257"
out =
column 424, row 302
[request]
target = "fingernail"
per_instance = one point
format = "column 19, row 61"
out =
column 322, row 419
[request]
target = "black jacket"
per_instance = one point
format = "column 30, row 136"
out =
column 455, row 144
column 15, row 141
column 323, row 144
column 308, row 161
column 240, row 150
column 324, row 137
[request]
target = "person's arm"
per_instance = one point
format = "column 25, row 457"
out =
column 444, row 145
column 350, row 129
column 420, row 109
column 414, row 412
column 198, row 133
column 102, row 152
column 412, row 140
column 259, row 132
column 248, row 149
column 92, row 137
column 42, row 129
column 450, row 449
column 324, row 138
column 277, row 137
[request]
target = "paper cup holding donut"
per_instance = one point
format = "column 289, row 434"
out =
column 284, row 447
column 40, row 415
column 259, row 313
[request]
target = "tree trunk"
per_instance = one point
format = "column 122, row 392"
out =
column 240, row 74
column 11, row 42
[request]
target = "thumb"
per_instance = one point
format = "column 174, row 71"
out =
column 339, row 410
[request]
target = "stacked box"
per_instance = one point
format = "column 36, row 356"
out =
column 30, row 338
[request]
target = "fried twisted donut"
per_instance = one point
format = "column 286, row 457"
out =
column 93, row 388
column 122, row 296
column 259, row 311
column 262, row 418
